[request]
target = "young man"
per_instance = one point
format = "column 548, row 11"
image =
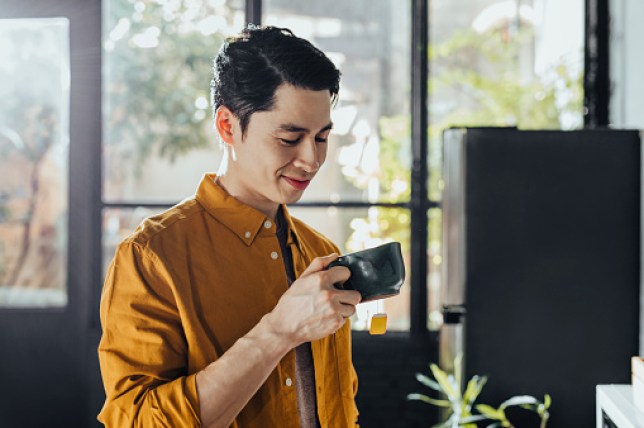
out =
column 221, row 312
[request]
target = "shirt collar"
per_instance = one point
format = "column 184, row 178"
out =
column 243, row 220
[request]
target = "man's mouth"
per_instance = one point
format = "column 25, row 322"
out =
column 297, row 184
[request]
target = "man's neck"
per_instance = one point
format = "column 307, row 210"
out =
column 268, row 208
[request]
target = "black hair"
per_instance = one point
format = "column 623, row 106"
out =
column 252, row 65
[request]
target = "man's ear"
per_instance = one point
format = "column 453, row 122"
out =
column 226, row 122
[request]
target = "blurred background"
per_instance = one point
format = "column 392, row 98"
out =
column 105, row 119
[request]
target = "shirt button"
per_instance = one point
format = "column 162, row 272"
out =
column 267, row 224
column 274, row 255
column 289, row 382
column 247, row 235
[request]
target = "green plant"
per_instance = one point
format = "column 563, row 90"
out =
column 498, row 414
column 460, row 403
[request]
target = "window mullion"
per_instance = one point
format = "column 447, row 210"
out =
column 419, row 200
column 254, row 12
column 596, row 64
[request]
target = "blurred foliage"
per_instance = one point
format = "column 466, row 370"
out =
column 33, row 94
column 484, row 76
column 158, row 65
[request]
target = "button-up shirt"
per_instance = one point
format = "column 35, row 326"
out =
column 182, row 289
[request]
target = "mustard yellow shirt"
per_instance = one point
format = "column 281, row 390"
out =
column 182, row 289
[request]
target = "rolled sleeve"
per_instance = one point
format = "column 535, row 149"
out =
column 143, row 351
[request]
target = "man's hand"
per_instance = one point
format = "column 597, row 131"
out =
column 312, row 307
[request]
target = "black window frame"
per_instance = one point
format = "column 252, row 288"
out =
column 596, row 104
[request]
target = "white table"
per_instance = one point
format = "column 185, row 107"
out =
column 617, row 402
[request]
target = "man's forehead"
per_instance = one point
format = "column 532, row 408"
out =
column 305, row 119
column 295, row 110
column 300, row 107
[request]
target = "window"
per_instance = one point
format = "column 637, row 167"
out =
column 158, row 136
column 34, row 147
column 491, row 63
column 498, row 63
column 506, row 63
column 370, row 147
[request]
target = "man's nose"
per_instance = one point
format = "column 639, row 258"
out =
column 307, row 156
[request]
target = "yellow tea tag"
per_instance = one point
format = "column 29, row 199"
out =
column 378, row 324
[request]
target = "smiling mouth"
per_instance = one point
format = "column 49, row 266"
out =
column 297, row 184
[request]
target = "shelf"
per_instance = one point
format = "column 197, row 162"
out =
column 617, row 402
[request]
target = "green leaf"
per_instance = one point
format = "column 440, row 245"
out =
column 428, row 400
column 474, row 418
column 468, row 395
column 447, row 387
column 518, row 401
column 452, row 381
column 473, row 389
column 425, row 380
column 490, row 412
column 458, row 363
column 547, row 401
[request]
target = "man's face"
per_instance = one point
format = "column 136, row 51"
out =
column 282, row 149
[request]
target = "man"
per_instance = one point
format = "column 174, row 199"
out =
column 221, row 312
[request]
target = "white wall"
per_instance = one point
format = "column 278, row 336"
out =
column 627, row 79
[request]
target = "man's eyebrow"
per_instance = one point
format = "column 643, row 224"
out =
column 289, row 127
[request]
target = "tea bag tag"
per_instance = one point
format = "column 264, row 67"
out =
column 378, row 323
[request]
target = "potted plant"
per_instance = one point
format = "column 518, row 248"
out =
column 460, row 405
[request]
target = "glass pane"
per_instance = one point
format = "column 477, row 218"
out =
column 157, row 58
column 34, row 147
column 369, row 41
column 434, row 266
column 355, row 229
column 498, row 63
column 504, row 63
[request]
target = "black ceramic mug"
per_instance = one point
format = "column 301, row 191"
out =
column 376, row 273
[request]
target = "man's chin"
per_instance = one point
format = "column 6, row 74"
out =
column 292, row 199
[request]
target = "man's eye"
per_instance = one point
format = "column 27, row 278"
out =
column 290, row 142
column 320, row 140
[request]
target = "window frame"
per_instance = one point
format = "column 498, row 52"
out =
column 596, row 101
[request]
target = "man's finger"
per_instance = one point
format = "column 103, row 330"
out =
column 338, row 275
column 349, row 297
column 320, row 263
column 347, row 311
